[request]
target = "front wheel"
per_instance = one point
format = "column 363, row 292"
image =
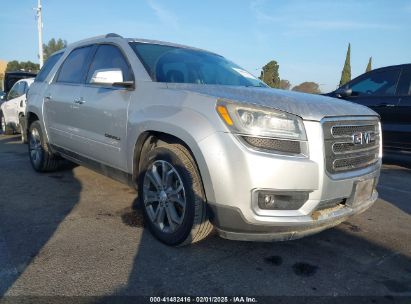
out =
column 23, row 132
column 42, row 158
column 5, row 129
column 172, row 194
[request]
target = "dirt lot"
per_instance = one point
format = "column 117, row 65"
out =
column 74, row 232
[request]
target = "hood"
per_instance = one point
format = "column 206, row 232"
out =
column 307, row 106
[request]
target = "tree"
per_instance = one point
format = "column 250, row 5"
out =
column 285, row 84
column 346, row 72
column 369, row 65
column 308, row 87
column 26, row 66
column 53, row 46
column 270, row 74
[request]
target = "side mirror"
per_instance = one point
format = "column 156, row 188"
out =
column 107, row 76
column 342, row 92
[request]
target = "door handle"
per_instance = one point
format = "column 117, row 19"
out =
column 79, row 100
column 47, row 98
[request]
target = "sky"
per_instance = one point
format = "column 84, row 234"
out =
column 308, row 39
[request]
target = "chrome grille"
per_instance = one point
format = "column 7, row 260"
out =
column 342, row 152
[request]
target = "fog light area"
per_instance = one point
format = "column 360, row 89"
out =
column 268, row 200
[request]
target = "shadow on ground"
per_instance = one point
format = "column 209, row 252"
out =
column 340, row 261
column 367, row 255
column 27, row 225
column 395, row 187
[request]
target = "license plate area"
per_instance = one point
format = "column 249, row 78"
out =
column 362, row 192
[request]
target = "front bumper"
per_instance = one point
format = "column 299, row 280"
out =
column 230, row 223
column 235, row 171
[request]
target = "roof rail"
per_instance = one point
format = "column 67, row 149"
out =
column 113, row 35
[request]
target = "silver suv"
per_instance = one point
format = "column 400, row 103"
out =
column 206, row 143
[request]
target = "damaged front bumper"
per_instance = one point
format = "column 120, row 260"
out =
column 230, row 223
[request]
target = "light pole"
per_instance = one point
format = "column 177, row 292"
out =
column 40, row 32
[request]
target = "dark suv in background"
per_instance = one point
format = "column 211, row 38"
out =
column 388, row 92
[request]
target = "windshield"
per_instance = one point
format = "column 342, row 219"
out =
column 180, row 65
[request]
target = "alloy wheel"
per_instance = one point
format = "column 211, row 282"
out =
column 3, row 124
column 35, row 147
column 164, row 196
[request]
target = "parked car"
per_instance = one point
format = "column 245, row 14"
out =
column 12, row 111
column 388, row 92
column 10, row 78
column 205, row 142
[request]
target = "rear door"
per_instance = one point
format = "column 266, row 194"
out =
column 101, row 118
column 376, row 90
column 402, row 138
column 62, row 96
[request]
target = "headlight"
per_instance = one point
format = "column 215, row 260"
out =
column 261, row 121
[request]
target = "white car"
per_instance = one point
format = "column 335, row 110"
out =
column 12, row 111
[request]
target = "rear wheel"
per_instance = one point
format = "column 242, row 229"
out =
column 171, row 190
column 5, row 129
column 23, row 132
column 41, row 157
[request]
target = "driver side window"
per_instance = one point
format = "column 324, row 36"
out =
column 381, row 83
column 14, row 92
column 109, row 57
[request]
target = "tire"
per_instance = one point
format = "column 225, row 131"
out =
column 23, row 132
column 4, row 128
column 175, row 216
column 41, row 157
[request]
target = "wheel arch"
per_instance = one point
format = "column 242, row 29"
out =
column 151, row 137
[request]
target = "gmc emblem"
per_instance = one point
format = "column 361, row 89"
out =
column 361, row 138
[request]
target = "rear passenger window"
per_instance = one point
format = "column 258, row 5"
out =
column 109, row 57
column 404, row 87
column 74, row 67
column 47, row 67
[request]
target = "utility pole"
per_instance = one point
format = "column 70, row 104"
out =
column 40, row 32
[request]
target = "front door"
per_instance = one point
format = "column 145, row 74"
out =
column 101, row 117
column 376, row 90
column 402, row 137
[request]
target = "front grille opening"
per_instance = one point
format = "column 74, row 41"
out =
column 330, row 204
column 350, row 147
column 271, row 144
column 349, row 130
column 342, row 153
column 354, row 162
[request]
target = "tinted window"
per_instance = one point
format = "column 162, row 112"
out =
column 404, row 86
column 175, row 64
column 21, row 90
column 75, row 65
column 48, row 66
column 13, row 93
column 109, row 57
column 381, row 83
column 17, row 90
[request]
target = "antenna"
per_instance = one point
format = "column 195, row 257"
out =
column 40, row 31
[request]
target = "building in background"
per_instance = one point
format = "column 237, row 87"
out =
column 3, row 65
